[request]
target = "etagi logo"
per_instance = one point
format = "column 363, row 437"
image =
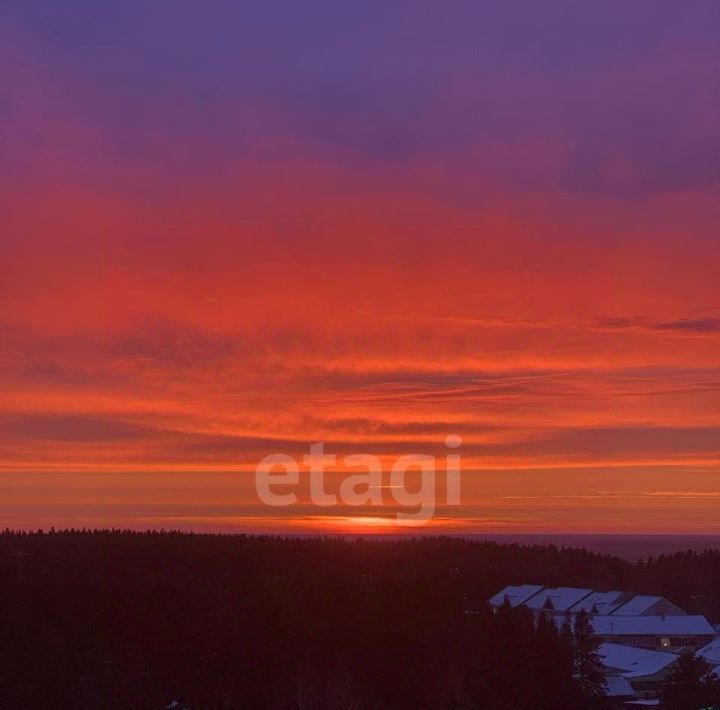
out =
column 276, row 473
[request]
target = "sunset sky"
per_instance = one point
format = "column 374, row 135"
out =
column 233, row 229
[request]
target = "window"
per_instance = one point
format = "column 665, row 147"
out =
column 665, row 642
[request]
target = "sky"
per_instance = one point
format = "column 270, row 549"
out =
column 231, row 230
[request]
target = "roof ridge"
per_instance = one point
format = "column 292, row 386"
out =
column 592, row 591
column 532, row 596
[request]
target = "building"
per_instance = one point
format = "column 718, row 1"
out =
column 643, row 670
column 602, row 602
column 515, row 596
column 573, row 600
column 641, row 635
column 556, row 602
column 660, row 633
column 556, row 598
column 644, row 605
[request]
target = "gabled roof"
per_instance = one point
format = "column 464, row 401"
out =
column 640, row 604
column 711, row 652
column 634, row 662
column 651, row 625
column 516, row 595
column 601, row 602
column 557, row 598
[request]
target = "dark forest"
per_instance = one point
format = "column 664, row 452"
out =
column 99, row 619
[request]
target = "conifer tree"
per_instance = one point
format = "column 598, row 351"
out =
column 690, row 685
column 587, row 665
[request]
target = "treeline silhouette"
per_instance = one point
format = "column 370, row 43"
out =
column 118, row 619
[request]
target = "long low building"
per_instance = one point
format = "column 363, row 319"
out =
column 662, row 633
column 573, row 600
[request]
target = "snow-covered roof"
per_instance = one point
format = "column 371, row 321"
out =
column 641, row 603
column 557, row 598
column 711, row 652
column 652, row 625
column 602, row 602
column 634, row 662
column 617, row 686
column 516, row 594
